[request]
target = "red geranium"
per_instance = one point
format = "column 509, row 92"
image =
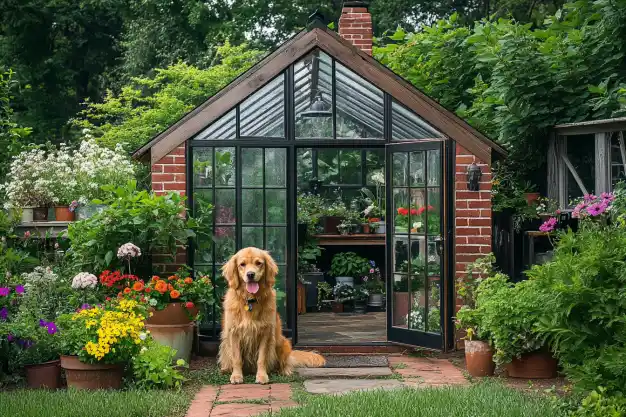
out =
column 413, row 212
column 403, row 211
column 421, row 210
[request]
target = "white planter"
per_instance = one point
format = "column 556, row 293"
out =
column 27, row 215
column 349, row 281
column 381, row 228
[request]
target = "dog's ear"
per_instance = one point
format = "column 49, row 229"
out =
column 229, row 271
column 271, row 269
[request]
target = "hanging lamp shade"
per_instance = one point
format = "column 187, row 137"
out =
column 318, row 108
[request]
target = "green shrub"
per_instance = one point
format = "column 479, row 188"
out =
column 149, row 221
column 154, row 367
column 348, row 264
column 586, row 319
column 598, row 404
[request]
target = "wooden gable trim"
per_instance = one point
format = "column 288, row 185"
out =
column 353, row 58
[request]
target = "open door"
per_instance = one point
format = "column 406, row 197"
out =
column 416, row 273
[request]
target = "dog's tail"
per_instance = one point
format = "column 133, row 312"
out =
column 302, row 359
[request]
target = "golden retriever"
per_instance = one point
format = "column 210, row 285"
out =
column 252, row 336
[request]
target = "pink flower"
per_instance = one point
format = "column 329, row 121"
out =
column 548, row 225
column 26, row 234
column 371, row 270
column 596, row 209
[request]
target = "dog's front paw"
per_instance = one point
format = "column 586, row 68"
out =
column 236, row 379
column 262, row 378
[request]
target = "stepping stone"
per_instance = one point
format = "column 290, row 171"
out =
column 356, row 361
column 312, row 373
column 342, row 386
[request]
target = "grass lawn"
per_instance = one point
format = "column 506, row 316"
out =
column 72, row 403
column 480, row 400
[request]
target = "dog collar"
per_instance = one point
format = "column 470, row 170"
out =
column 250, row 302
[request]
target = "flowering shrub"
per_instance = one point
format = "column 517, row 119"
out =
column 128, row 251
column 175, row 289
column 416, row 217
column 32, row 341
column 343, row 292
column 373, row 281
column 112, row 333
column 84, row 280
column 29, row 182
column 114, row 281
column 9, row 301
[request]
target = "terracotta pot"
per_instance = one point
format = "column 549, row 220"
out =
column 176, row 336
column 63, row 214
column 366, row 228
column 40, row 214
column 337, row 307
column 531, row 197
column 301, row 298
column 173, row 314
column 400, row 307
column 81, row 375
column 331, row 223
column 44, row 375
column 533, row 365
column 479, row 358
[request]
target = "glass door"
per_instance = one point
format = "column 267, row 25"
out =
column 414, row 221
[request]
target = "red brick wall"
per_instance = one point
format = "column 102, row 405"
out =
column 355, row 25
column 169, row 174
column 472, row 214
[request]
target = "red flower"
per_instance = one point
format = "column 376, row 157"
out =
column 148, row 290
column 402, row 211
column 430, row 207
column 188, row 280
column 421, row 210
column 126, row 290
column 108, row 298
column 138, row 286
column 189, row 304
column 174, row 294
column 413, row 212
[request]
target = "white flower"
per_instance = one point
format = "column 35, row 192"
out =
column 128, row 250
column 143, row 336
column 153, row 302
column 417, row 225
column 144, row 349
column 84, row 280
column 368, row 210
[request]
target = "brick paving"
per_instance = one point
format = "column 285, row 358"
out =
column 240, row 400
column 247, row 400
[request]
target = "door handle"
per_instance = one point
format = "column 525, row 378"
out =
column 439, row 244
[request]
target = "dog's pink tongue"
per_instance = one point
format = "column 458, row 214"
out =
column 252, row 287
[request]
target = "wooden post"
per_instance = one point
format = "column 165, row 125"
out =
column 602, row 162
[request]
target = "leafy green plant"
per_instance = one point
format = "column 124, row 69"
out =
column 599, row 404
column 324, row 292
column 153, row 223
column 154, row 367
column 33, row 340
column 348, row 264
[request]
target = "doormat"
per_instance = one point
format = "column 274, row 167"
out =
column 357, row 361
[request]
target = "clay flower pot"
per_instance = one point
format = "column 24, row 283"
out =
column 531, row 198
column 81, row 375
column 337, row 307
column 172, row 314
column 533, row 365
column 44, row 375
column 479, row 358
column 331, row 223
column 40, row 214
column 63, row 214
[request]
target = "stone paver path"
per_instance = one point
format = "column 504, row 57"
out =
column 240, row 400
column 251, row 399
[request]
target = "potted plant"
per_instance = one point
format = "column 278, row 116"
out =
column 342, row 293
column 35, row 348
column 478, row 350
column 308, row 273
column 324, row 293
column 333, row 214
column 347, row 265
column 96, row 343
column 512, row 326
column 374, row 284
column 311, row 209
column 361, row 296
column 174, row 304
column 29, row 188
column 401, row 296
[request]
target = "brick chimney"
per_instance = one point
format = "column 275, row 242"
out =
column 355, row 25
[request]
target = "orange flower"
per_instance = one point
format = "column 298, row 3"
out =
column 119, row 295
column 170, row 287
column 172, row 278
column 148, row 289
column 155, row 278
column 174, row 294
column 161, row 286
column 188, row 280
column 189, row 304
column 138, row 286
column 126, row 290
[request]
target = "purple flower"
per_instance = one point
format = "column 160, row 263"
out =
column 19, row 289
column 42, row 323
column 607, row 196
column 596, row 209
column 548, row 225
column 4, row 313
column 10, row 337
column 52, row 328
column 4, row 291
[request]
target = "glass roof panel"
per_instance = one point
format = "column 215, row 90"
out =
column 313, row 96
column 360, row 106
column 263, row 113
column 222, row 128
column 408, row 125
